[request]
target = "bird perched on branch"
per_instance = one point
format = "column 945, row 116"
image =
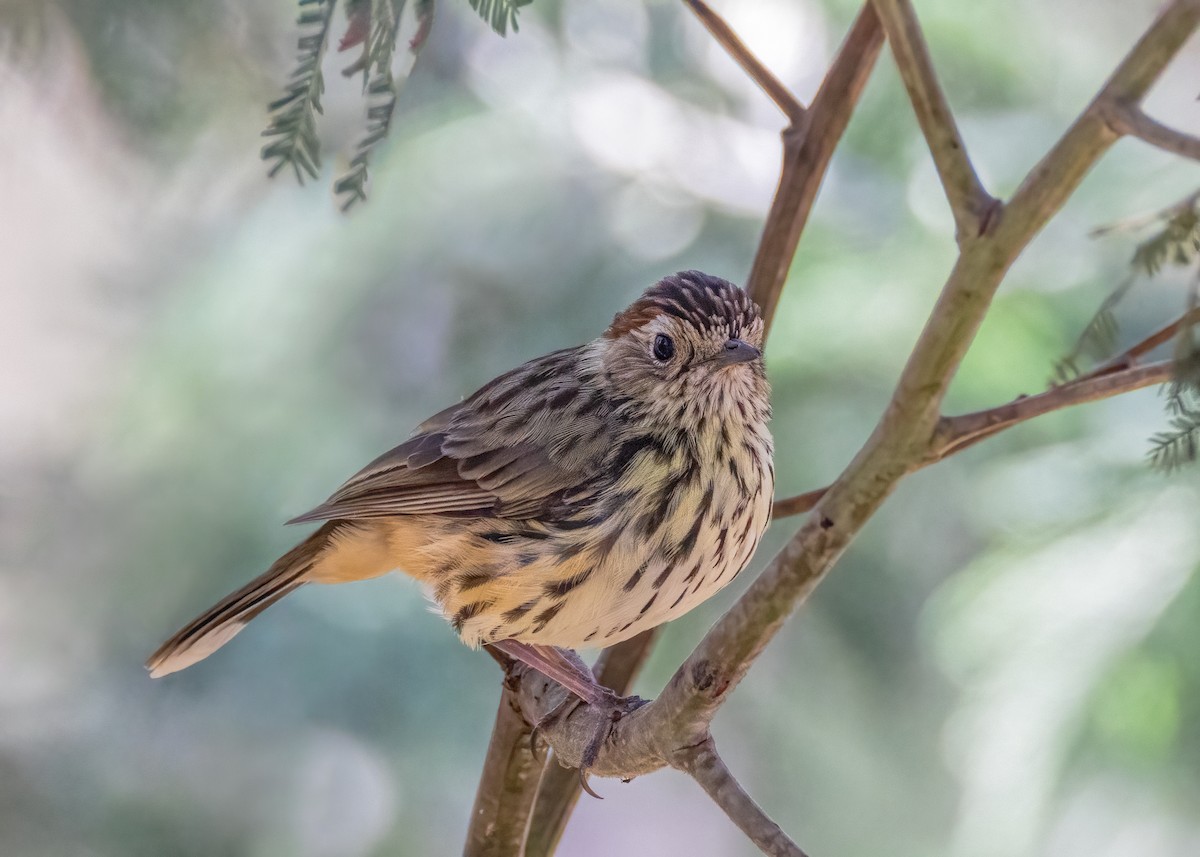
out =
column 575, row 501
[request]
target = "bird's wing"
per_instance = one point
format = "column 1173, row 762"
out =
column 533, row 438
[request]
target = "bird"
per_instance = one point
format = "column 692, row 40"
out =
column 573, row 502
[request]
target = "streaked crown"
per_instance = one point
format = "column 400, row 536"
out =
column 708, row 303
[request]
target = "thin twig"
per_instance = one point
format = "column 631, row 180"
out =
column 1054, row 179
column 969, row 202
column 807, row 150
column 616, row 668
column 1130, row 355
column 752, row 65
column 707, row 768
column 797, row 505
column 1132, row 120
column 1132, row 224
column 954, row 434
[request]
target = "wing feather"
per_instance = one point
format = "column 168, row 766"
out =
column 515, row 446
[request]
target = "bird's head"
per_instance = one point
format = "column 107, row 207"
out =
column 692, row 341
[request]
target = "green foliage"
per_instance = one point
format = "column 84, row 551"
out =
column 1098, row 339
column 501, row 14
column 376, row 24
column 1176, row 243
column 294, row 116
column 1171, row 449
column 380, row 90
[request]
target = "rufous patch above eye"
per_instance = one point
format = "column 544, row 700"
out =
column 703, row 301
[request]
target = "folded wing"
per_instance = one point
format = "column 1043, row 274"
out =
column 530, row 440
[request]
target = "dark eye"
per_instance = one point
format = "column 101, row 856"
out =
column 664, row 348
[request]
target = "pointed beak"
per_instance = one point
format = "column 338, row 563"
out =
column 737, row 351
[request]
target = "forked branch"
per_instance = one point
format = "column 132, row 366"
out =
column 900, row 443
column 1134, row 121
column 911, row 430
column 752, row 65
column 807, row 151
column 707, row 768
column 1118, row 375
column 969, row 202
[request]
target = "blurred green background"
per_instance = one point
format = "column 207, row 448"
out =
column 1004, row 664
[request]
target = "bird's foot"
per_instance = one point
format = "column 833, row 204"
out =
column 615, row 708
column 569, row 670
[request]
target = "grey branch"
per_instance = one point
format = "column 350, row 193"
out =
column 664, row 731
column 969, row 202
column 1114, row 377
column 752, row 65
column 708, row 769
column 646, row 740
column 500, row 818
column 807, row 150
column 1132, row 120
column 616, row 668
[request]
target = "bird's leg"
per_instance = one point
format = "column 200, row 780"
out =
column 569, row 670
column 562, row 665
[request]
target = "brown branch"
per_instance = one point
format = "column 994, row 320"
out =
column 752, row 65
column 654, row 735
column 1132, row 224
column 616, row 668
column 1056, row 176
column 954, row 434
column 809, row 144
column 1130, row 355
column 646, row 739
column 969, row 202
column 797, row 505
column 1132, row 120
column 507, row 787
column 707, row 768
column 807, row 150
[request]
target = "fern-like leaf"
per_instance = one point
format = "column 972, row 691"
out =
column 293, row 124
column 501, row 14
column 1098, row 339
column 1176, row 243
column 381, row 88
column 1170, row 450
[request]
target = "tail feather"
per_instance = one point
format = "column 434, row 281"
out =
column 220, row 623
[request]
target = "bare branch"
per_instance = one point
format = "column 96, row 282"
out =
column 1132, row 224
column 901, row 440
column 1054, row 179
column 708, row 769
column 616, row 668
column 1132, row 120
column 752, row 65
column 1127, row 357
column 655, row 735
column 955, row 434
column 807, row 150
column 506, row 788
column 797, row 505
column 969, row 202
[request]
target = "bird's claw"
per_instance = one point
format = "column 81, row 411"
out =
column 570, row 703
column 618, row 707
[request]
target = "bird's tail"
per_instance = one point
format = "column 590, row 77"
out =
column 220, row 623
